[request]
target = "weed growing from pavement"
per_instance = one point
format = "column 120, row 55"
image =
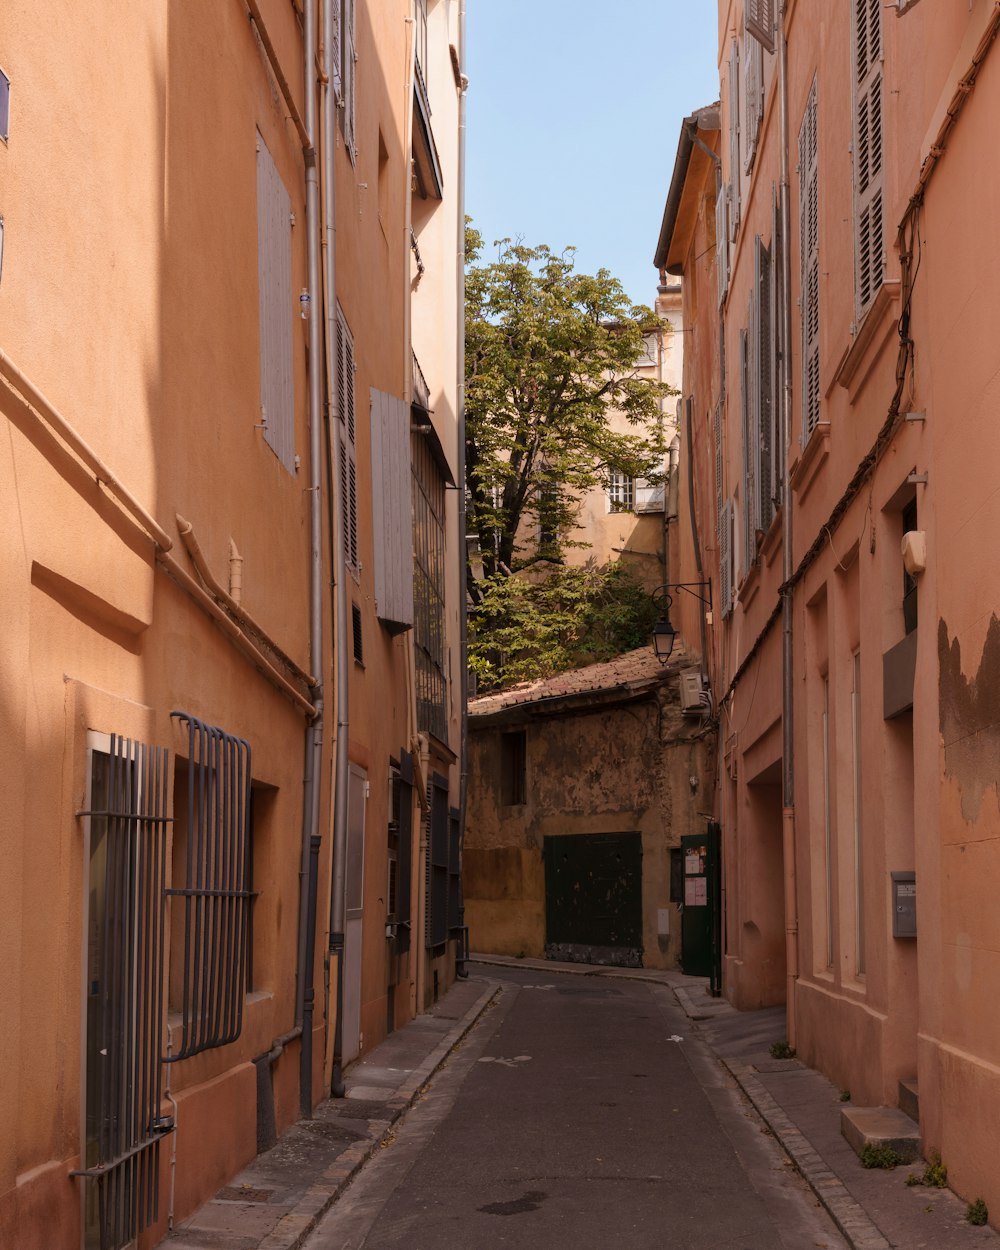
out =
column 934, row 1175
column 977, row 1212
column 880, row 1157
column 782, row 1050
column 845, row 1095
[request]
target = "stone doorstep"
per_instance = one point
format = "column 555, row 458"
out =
column 881, row 1126
column 909, row 1099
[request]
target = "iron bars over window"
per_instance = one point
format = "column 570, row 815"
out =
column 216, row 894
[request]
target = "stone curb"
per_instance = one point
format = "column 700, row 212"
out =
column 848, row 1214
column 293, row 1227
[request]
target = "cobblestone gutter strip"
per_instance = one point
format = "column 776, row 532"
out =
column 848, row 1215
column 293, row 1228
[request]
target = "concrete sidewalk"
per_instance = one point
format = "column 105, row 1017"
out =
column 874, row 1209
column 276, row 1201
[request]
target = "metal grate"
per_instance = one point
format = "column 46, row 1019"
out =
column 216, row 895
column 357, row 634
column 127, row 872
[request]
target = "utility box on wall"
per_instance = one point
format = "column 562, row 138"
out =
column 904, row 904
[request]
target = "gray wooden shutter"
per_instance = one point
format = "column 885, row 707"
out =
column 348, row 443
column 276, row 308
column 392, row 513
column 759, row 22
column 869, row 249
column 749, row 483
column 809, row 251
column 777, row 347
column 734, row 138
column 350, row 84
column 753, row 60
column 722, row 239
column 337, row 51
column 763, row 374
column 726, row 558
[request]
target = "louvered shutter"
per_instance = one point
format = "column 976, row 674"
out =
column 753, row 68
column 777, row 347
column 392, row 511
column 336, row 51
column 719, row 508
column 763, row 373
column 809, row 252
column 726, row 558
column 722, row 240
column 749, row 483
column 869, row 246
column 350, row 85
column 276, row 309
column 759, row 22
column 734, row 138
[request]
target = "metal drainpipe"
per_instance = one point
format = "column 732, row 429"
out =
column 305, row 992
column 463, row 612
column 787, row 684
column 338, row 568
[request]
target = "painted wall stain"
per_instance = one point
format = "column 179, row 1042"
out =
column 970, row 717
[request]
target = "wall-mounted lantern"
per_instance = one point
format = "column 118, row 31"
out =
column 664, row 633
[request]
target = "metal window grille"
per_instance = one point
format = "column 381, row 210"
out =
column 809, row 253
column 216, row 897
column 437, row 863
column 128, row 819
column 429, row 590
column 868, row 178
column 621, row 491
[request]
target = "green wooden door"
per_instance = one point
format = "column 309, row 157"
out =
column 701, row 921
column 593, row 898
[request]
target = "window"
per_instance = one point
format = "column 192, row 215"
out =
column 868, row 228
column 402, row 809
column 513, row 768
column 421, row 43
column 621, row 491
column 276, row 312
column 392, row 510
column 348, row 443
column 726, row 546
column 827, row 822
column 343, row 59
column 357, row 635
column 429, row 589
column 749, row 484
column 909, row 520
column 809, row 252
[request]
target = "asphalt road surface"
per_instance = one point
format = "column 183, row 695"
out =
column 579, row 1112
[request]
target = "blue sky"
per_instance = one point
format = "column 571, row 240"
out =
column 574, row 114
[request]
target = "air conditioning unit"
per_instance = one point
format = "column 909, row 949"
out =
column 694, row 696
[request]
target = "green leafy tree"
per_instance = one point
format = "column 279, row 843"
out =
column 551, row 354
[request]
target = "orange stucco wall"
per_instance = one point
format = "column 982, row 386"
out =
column 868, row 1008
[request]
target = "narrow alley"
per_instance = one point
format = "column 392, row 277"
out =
column 545, row 1130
